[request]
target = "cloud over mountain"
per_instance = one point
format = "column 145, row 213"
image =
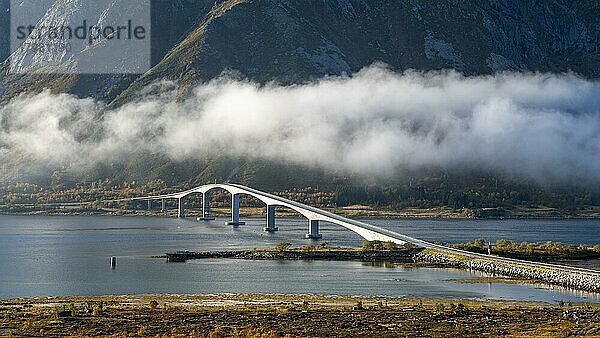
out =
column 372, row 123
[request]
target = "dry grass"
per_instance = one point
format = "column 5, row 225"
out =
column 292, row 316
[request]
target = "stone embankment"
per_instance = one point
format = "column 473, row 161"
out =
column 579, row 281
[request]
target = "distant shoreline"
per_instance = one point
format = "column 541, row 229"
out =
column 254, row 212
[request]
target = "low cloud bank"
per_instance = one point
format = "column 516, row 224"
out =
column 538, row 126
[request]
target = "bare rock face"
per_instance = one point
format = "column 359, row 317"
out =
column 170, row 22
column 4, row 28
column 295, row 41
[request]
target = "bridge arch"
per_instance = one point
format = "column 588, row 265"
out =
column 313, row 215
column 270, row 203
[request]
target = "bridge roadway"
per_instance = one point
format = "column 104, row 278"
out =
column 315, row 215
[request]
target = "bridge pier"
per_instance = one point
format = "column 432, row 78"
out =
column 149, row 204
column 206, row 208
column 235, row 211
column 163, row 206
column 313, row 230
column 180, row 207
column 271, row 219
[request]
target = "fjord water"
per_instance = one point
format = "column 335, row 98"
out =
column 57, row 256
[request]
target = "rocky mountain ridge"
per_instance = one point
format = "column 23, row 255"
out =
column 295, row 41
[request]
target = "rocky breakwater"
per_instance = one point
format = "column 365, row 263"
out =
column 579, row 281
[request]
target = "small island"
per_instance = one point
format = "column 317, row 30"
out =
column 389, row 251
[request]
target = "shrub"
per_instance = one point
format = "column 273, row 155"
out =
column 390, row 246
column 505, row 244
column 282, row 246
column 217, row 332
column 252, row 333
column 373, row 245
column 460, row 309
column 409, row 246
column 309, row 248
column 324, row 245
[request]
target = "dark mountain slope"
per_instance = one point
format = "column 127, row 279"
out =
column 295, row 41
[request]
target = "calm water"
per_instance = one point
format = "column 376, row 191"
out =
column 53, row 256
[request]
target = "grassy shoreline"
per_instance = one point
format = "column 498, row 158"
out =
column 292, row 316
column 366, row 212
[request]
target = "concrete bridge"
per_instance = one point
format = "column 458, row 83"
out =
column 314, row 216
